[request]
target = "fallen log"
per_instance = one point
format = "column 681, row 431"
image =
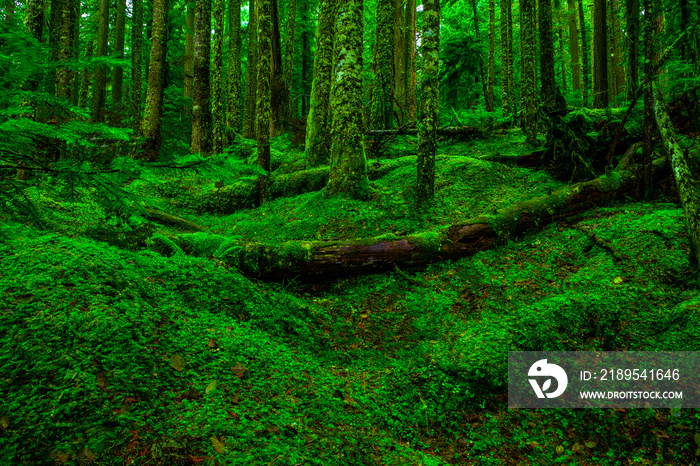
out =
column 684, row 181
column 334, row 258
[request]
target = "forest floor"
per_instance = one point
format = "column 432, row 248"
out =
column 113, row 353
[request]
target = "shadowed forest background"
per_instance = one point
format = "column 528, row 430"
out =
column 301, row 232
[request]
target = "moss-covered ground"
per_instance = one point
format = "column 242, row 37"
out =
column 115, row 354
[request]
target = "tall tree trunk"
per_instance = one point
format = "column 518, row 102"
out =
column 318, row 125
column 64, row 76
column 277, row 86
column 528, row 87
column 290, row 110
column 632, row 11
column 99, row 93
column 506, row 61
column 218, row 97
column 477, row 36
column 410, row 61
column 151, row 126
column 648, row 132
column 600, row 55
column 305, row 62
column 85, row 77
column 400, row 90
column 348, row 172
column 564, row 84
column 118, row 78
column 492, row 56
column 381, row 116
column 615, row 40
column 584, row 54
column 137, row 63
column 573, row 47
column 75, row 35
column 188, row 85
column 233, row 113
column 548, row 90
column 429, row 101
column 201, row 109
column 251, row 72
column 263, row 108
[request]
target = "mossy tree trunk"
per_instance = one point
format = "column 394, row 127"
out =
column 410, row 61
column 348, row 173
column 218, row 97
column 492, row 57
column 600, row 55
column 151, row 126
column 616, row 53
column 400, row 60
column 118, row 77
column 573, row 47
column 277, row 87
column 317, row 148
column 201, row 109
column 137, row 63
column 382, row 108
column 251, row 71
column 262, row 106
column 547, row 75
column 528, row 85
column 289, row 111
column 306, row 58
column 585, row 72
column 506, row 60
column 85, row 78
column 684, row 179
column 64, row 76
column 322, row 258
column 100, row 92
column 648, row 131
column 477, row 35
column 632, row 13
column 188, row 85
column 233, row 110
column 430, row 101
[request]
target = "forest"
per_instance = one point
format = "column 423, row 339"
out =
column 312, row 232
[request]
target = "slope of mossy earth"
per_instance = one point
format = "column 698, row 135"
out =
column 114, row 354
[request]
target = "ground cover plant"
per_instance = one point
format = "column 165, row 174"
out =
column 128, row 341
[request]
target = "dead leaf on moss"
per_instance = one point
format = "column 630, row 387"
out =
column 177, row 361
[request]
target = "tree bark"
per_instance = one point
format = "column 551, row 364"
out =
column 251, row 72
column 233, row 111
column 492, row 57
column 430, row 101
column 632, row 12
column 118, row 78
column 218, row 95
column 348, row 173
column 684, row 180
column 337, row 258
column 137, row 63
column 289, row 110
column 151, row 127
column 528, row 61
column 547, row 75
column 100, row 91
column 508, row 99
column 585, row 72
column 382, row 107
column 262, row 105
column 573, row 47
column 318, row 125
column 188, row 85
column 600, row 55
column 201, row 109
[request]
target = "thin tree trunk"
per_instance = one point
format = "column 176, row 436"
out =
column 564, row 84
column 477, row 36
column 348, row 173
column 305, row 68
column 289, row 110
column 75, row 35
column 430, row 101
column 410, row 61
column 263, row 109
column 584, row 54
column 201, row 110
column 573, row 47
column 151, row 127
column 492, row 56
column 546, row 45
column 528, row 62
column 600, row 64
column 251, row 72
column 277, row 86
column 381, row 111
column 318, row 125
column 632, row 11
column 188, row 85
column 137, row 63
column 64, row 75
column 400, row 91
column 218, row 97
column 616, row 47
column 118, row 78
column 233, row 113
column 99, row 93
column 506, row 61
column 85, row 77
column 648, row 147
